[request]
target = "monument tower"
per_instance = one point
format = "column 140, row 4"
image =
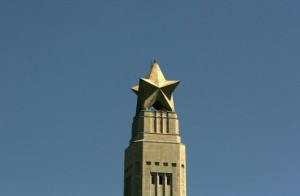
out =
column 155, row 162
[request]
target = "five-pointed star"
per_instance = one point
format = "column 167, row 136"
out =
column 155, row 90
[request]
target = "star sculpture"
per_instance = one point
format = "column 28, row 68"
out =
column 155, row 90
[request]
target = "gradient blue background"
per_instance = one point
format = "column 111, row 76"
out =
column 66, row 68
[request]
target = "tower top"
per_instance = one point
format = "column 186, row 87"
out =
column 155, row 90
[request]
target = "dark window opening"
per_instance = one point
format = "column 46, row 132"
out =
column 152, row 178
column 160, row 179
column 168, row 180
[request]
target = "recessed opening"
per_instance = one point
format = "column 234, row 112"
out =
column 152, row 178
column 168, row 180
column 160, row 179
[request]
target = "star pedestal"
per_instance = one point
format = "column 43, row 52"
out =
column 155, row 126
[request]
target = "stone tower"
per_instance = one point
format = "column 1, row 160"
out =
column 155, row 162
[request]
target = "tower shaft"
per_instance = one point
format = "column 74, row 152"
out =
column 155, row 159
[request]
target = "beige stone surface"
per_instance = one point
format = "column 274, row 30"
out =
column 155, row 149
column 155, row 160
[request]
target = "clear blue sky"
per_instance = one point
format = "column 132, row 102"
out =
column 66, row 68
